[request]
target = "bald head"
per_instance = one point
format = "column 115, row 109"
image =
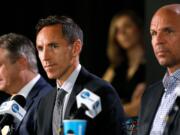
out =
column 170, row 11
column 167, row 14
column 165, row 33
column 172, row 7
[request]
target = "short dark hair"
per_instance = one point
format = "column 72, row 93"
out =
column 19, row 46
column 70, row 30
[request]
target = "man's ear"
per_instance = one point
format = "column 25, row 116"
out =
column 23, row 63
column 77, row 46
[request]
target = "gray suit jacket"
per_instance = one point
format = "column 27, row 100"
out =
column 149, row 105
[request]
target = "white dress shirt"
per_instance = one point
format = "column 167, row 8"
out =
column 27, row 88
column 68, row 86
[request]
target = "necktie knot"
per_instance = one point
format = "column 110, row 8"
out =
column 61, row 93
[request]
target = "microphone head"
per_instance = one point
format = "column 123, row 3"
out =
column 12, row 109
column 91, row 101
column 19, row 99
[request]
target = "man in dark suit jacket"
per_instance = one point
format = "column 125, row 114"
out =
column 40, row 89
column 160, row 114
column 59, row 43
column 19, row 76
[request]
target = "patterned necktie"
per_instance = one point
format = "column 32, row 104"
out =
column 58, row 112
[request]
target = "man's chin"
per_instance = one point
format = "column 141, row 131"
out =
column 163, row 62
column 51, row 76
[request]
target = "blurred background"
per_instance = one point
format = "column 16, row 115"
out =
column 93, row 16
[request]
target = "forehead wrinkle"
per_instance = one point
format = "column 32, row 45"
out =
column 165, row 19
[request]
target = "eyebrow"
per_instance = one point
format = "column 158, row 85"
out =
column 163, row 28
column 49, row 44
column 53, row 43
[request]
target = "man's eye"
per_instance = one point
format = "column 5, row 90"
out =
column 39, row 48
column 169, row 31
column 53, row 45
column 153, row 33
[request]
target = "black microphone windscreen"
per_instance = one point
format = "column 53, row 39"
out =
column 19, row 99
column 80, row 112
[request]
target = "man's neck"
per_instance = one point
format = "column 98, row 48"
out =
column 24, row 78
column 173, row 69
column 67, row 73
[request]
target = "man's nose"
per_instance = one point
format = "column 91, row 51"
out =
column 45, row 54
column 158, row 39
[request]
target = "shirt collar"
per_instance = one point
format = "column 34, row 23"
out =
column 69, row 83
column 27, row 88
column 172, row 79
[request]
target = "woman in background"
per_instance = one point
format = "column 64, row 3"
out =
column 127, row 62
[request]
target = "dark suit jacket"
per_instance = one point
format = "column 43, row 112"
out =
column 40, row 89
column 150, row 103
column 108, row 122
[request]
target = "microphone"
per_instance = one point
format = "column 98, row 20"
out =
column 87, row 103
column 12, row 109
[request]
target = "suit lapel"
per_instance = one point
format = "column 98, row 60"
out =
column 82, row 77
column 50, row 102
column 153, row 105
column 30, row 98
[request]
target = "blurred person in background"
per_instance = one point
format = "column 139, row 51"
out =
column 125, row 50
